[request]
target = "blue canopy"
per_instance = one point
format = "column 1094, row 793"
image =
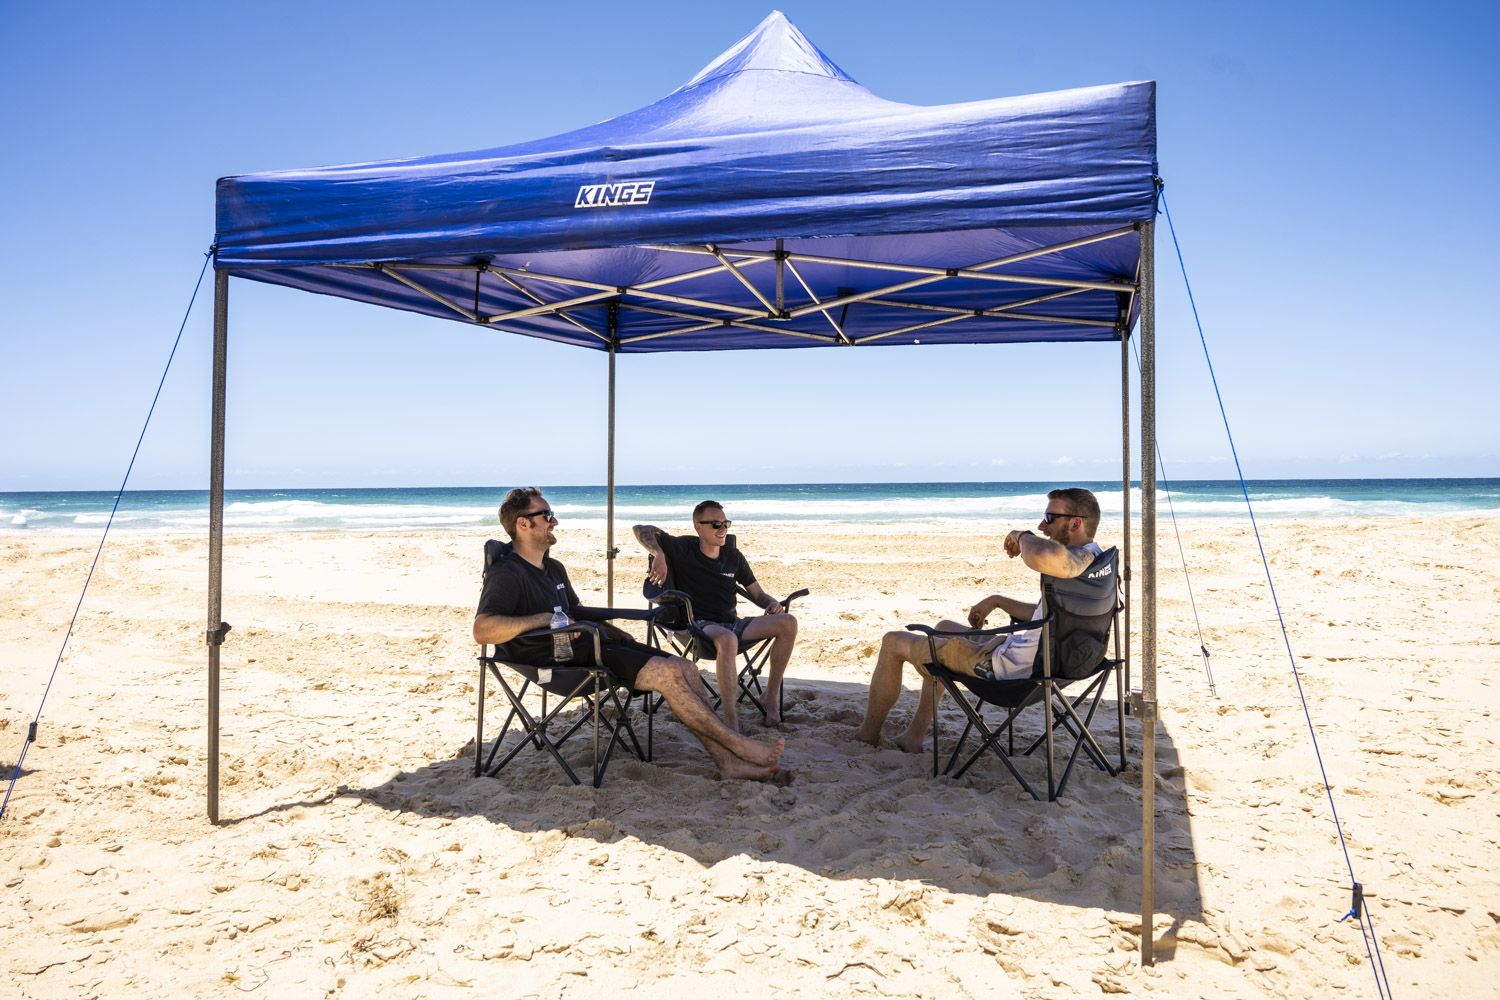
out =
column 770, row 201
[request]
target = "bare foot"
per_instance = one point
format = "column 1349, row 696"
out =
column 771, row 702
column 871, row 738
column 773, row 753
column 743, row 770
column 914, row 746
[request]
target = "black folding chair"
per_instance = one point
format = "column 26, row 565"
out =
column 1072, row 652
column 675, row 632
column 593, row 688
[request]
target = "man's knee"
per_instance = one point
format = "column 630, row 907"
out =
column 786, row 626
column 660, row 673
column 900, row 643
column 726, row 644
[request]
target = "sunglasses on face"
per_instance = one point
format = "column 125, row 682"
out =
column 540, row 513
column 1051, row 516
column 718, row 525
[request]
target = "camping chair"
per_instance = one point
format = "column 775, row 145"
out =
column 1083, row 614
column 674, row 632
column 595, row 687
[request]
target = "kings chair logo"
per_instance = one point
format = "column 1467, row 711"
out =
column 608, row 195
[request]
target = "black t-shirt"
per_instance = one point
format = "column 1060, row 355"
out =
column 515, row 588
column 709, row 582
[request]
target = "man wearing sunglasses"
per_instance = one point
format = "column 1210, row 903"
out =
column 1063, row 546
column 706, row 569
column 519, row 595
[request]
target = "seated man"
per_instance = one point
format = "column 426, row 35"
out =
column 519, row 595
column 1068, row 549
column 706, row 571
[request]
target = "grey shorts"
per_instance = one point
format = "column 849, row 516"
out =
column 706, row 649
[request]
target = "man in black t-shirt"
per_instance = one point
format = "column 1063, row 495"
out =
column 519, row 595
column 706, row 569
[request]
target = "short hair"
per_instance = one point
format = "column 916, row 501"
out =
column 514, row 505
column 1081, row 503
column 704, row 506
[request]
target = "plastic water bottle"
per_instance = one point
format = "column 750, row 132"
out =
column 562, row 643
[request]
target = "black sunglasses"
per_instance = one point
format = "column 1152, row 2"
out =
column 1050, row 516
column 540, row 513
column 718, row 525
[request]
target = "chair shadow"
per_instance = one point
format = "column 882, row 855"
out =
column 850, row 811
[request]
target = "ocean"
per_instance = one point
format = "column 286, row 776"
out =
column 464, row 508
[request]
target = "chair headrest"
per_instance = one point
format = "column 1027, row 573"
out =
column 1095, row 590
column 495, row 550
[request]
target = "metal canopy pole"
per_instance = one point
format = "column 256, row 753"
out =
column 1148, row 588
column 1125, row 484
column 216, row 627
column 609, row 517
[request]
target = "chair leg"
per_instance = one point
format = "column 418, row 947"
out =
column 989, row 739
column 536, row 728
column 479, row 735
column 934, row 730
column 1120, row 710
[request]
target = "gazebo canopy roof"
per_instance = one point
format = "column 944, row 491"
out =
column 770, row 201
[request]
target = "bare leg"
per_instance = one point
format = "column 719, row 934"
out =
column 727, row 649
column 694, row 680
column 927, row 702
column 896, row 650
column 736, row 756
column 783, row 629
column 911, row 740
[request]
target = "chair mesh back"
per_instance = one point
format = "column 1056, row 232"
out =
column 1083, row 609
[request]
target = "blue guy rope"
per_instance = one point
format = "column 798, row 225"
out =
column 1172, row 513
column 36, row 720
column 1366, row 923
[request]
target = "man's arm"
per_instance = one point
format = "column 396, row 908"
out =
column 1020, row 610
column 757, row 594
column 649, row 535
column 491, row 629
column 1046, row 556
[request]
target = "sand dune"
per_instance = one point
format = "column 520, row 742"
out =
column 359, row 856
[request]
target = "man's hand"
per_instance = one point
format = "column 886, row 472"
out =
column 1013, row 543
column 657, row 574
column 979, row 612
column 774, row 608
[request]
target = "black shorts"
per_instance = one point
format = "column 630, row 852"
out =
column 624, row 658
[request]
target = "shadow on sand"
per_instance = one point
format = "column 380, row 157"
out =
column 850, row 811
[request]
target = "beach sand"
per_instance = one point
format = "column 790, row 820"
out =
column 359, row 856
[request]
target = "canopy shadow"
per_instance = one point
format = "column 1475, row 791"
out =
column 850, row 811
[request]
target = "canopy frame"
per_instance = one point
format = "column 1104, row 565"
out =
column 735, row 261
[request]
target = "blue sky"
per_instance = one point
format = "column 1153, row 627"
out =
column 1331, row 170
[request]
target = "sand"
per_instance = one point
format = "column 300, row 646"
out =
column 359, row 856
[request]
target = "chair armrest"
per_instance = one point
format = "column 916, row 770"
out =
column 786, row 603
column 1002, row 630
column 630, row 614
column 576, row 627
column 674, row 598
